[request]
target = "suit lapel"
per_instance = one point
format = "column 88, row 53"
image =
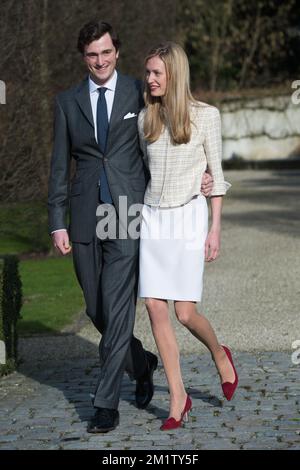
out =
column 84, row 101
column 120, row 98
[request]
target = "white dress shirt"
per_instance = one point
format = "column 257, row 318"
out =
column 109, row 97
column 94, row 95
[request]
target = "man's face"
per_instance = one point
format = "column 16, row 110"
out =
column 156, row 76
column 100, row 57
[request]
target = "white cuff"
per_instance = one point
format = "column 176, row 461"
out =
column 59, row 230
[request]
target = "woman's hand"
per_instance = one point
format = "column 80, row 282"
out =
column 212, row 245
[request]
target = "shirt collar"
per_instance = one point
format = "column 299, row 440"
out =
column 110, row 84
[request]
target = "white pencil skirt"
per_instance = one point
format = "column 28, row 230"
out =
column 172, row 251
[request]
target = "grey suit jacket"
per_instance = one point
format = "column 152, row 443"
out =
column 74, row 137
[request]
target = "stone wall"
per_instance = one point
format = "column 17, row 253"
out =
column 261, row 129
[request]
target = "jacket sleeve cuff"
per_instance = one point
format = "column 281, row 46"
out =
column 220, row 189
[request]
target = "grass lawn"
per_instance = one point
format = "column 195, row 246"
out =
column 23, row 228
column 51, row 295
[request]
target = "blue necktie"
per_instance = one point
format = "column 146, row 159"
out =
column 102, row 132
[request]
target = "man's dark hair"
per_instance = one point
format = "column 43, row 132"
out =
column 95, row 30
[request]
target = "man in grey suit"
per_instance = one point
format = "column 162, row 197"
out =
column 108, row 165
column 96, row 125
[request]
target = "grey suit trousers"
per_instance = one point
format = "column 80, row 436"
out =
column 108, row 272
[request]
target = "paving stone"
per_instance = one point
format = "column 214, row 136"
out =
column 249, row 421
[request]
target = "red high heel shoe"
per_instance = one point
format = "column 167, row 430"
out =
column 228, row 387
column 171, row 422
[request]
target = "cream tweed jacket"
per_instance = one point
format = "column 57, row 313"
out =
column 176, row 170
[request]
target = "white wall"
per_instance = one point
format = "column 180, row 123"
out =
column 261, row 129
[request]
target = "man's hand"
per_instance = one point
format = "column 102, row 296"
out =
column 206, row 184
column 61, row 242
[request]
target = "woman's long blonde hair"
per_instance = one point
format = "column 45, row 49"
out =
column 173, row 109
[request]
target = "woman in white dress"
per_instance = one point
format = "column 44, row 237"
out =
column 181, row 138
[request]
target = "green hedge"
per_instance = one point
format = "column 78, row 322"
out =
column 10, row 305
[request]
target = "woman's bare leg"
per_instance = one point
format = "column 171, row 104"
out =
column 200, row 327
column 167, row 346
